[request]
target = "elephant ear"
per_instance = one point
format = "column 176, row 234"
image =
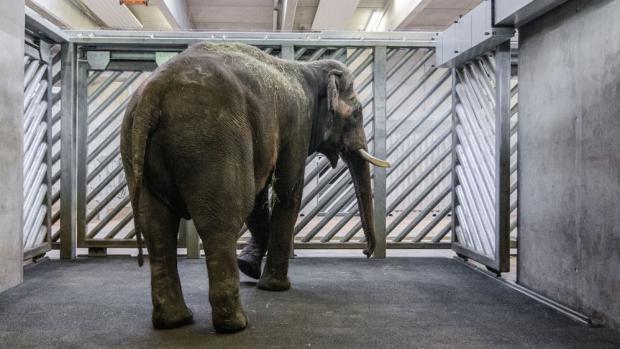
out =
column 334, row 104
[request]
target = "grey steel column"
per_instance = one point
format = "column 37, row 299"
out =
column 68, row 165
column 380, row 147
column 288, row 52
column 47, row 57
column 81, row 116
column 192, row 242
column 455, row 141
column 502, row 156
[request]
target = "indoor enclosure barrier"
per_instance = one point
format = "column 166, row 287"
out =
column 450, row 134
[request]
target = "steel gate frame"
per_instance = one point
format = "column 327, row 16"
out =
column 482, row 220
column 42, row 151
column 382, row 47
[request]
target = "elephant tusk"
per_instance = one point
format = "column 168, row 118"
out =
column 373, row 160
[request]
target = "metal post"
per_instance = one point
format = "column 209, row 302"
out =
column 454, row 162
column 68, row 184
column 192, row 242
column 288, row 52
column 47, row 57
column 502, row 155
column 81, row 116
column 380, row 147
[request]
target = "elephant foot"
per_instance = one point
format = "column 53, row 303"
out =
column 271, row 283
column 249, row 264
column 172, row 319
column 230, row 324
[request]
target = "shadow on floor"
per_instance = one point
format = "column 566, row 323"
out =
column 334, row 303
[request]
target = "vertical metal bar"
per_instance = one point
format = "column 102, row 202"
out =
column 191, row 239
column 68, row 184
column 288, row 52
column 82, row 148
column 380, row 147
column 45, row 51
column 455, row 122
column 502, row 156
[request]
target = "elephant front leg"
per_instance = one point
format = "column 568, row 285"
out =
column 287, row 199
column 250, row 258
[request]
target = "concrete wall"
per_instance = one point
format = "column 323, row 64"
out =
column 569, row 170
column 11, row 105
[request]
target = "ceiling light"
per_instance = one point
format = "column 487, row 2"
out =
column 134, row 2
column 375, row 20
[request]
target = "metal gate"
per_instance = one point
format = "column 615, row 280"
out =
column 400, row 84
column 482, row 157
column 41, row 145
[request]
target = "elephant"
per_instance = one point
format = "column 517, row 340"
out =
column 205, row 137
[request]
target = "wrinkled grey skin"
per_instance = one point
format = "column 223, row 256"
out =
column 205, row 137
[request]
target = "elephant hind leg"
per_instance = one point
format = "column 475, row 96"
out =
column 251, row 256
column 220, row 243
column 160, row 227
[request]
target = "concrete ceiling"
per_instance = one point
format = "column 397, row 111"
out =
column 255, row 15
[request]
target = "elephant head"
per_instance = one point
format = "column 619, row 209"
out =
column 341, row 131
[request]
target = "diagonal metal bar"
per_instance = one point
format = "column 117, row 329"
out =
column 473, row 139
column 476, row 222
column 401, row 61
column 411, row 72
column 477, row 122
column 342, row 202
column 93, row 76
column 113, row 96
column 405, row 192
column 472, row 193
column 105, row 84
column 103, row 164
column 119, row 226
column 103, row 183
column 418, row 199
column 108, row 120
column 473, row 157
column 409, row 151
column 440, row 139
column 105, row 201
column 91, row 234
column 420, row 216
column 442, row 233
column 486, row 196
column 416, row 88
column 113, row 136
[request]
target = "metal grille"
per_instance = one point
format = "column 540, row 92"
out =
column 108, row 215
column 482, row 157
column 418, row 101
column 41, row 146
column 514, row 165
column 418, row 146
column 329, row 209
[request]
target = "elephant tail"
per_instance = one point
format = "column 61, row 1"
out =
column 145, row 119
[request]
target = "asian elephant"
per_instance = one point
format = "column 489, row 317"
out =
column 205, row 136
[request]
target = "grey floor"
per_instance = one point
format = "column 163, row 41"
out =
column 334, row 303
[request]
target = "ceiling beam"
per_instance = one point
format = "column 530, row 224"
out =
column 176, row 13
column 333, row 15
column 113, row 14
column 64, row 13
column 289, row 8
column 399, row 13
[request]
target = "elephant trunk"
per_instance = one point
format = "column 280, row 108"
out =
column 360, row 172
